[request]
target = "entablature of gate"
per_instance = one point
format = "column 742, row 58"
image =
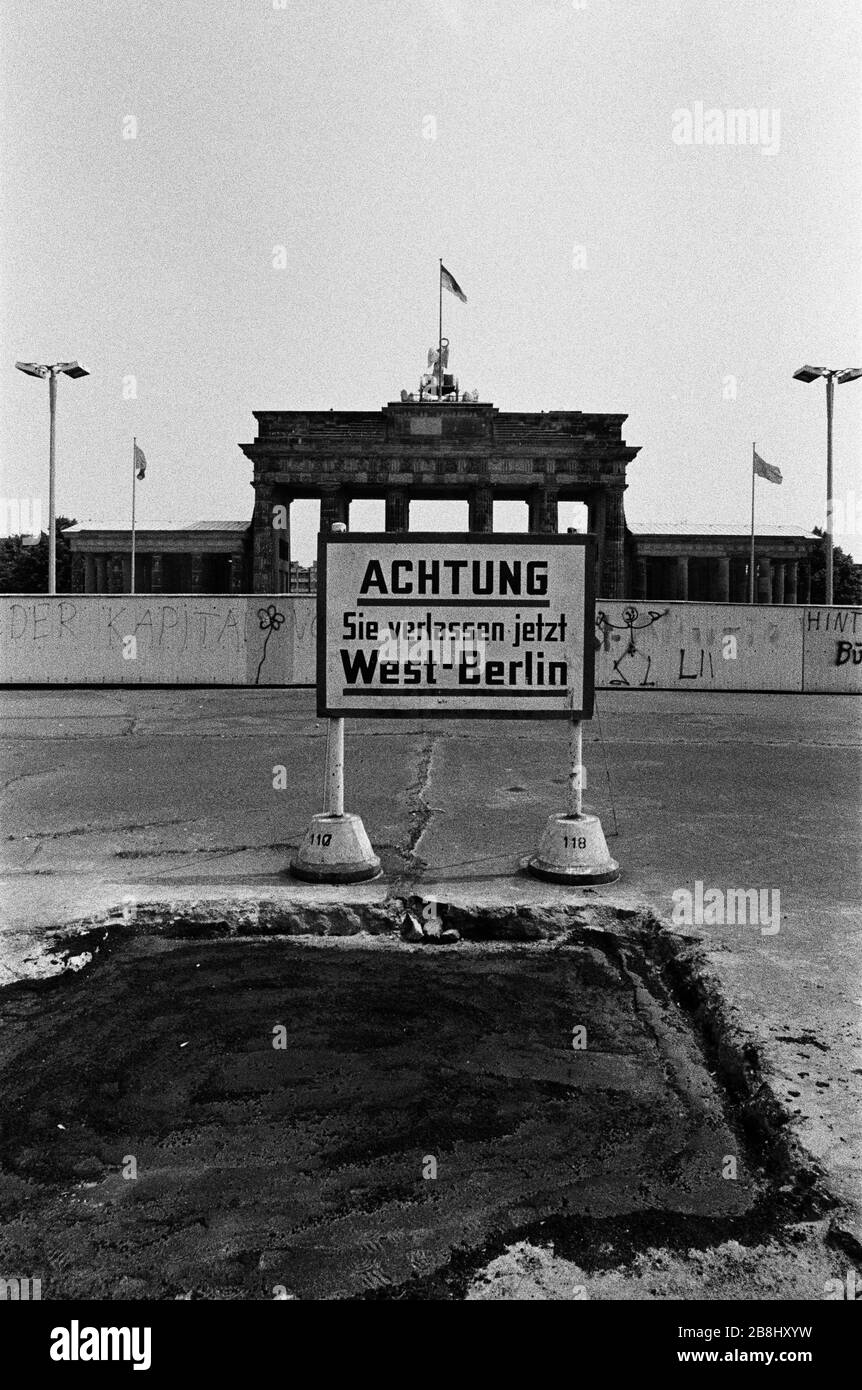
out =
column 428, row 443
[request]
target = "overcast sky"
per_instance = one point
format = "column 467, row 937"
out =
column 530, row 143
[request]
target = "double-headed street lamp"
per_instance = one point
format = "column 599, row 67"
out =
column 52, row 371
column 832, row 374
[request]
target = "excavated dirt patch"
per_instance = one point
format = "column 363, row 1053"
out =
column 428, row 1102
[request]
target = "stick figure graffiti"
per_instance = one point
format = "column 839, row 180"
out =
column 632, row 654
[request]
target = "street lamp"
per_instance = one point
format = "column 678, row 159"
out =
column 832, row 374
column 51, row 371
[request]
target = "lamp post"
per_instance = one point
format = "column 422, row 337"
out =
column 52, row 371
column 832, row 374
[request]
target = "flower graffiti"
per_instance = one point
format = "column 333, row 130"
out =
column 269, row 621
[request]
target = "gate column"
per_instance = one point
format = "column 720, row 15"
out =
column 544, row 513
column 481, row 509
column 613, row 568
column 264, row 579
column 334, row 507
column 398, row 510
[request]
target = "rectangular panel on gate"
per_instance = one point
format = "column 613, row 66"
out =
column 455, row 625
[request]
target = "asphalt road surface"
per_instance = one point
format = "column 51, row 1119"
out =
column 155, row 794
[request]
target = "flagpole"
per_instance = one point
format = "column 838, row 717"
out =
column 134, row 478
column 440, row 340
column 751, row 560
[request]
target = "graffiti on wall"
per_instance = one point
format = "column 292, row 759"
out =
column 138, row 639
column 832, row 649
column 711, row 646
column 249, row 640
column 636, row 659
column 269, row 621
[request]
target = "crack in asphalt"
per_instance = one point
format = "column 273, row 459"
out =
column 212, row 851
column 28, row 776
column 98, row 829
column 420, row 813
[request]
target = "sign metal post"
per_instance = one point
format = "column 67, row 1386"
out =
column 335, row 770
column 336, row 848
column 576, row 746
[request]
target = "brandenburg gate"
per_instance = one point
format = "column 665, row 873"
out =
column 448, row 447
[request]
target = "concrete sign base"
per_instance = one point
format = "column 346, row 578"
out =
column 573, row 850
column 336, row 849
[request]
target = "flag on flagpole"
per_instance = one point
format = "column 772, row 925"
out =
column 451, row 284
column 766, row 470
column 140, row 462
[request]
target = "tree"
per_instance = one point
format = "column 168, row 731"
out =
column 846, row 576
column 24, row 568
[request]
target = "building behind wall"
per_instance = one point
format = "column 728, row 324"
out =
column 710, row 564
column 447, row 450
column 200, row 557
column 663, row 561
column 303, row 578
column 197, row 557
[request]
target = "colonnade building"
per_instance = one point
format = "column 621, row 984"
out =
column 674, row 560
column 192, row 557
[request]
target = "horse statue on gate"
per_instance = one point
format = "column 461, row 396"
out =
column 436, row 383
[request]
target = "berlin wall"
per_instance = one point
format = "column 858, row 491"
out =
column 715, row 646
column 247, row 640
column 145, row 639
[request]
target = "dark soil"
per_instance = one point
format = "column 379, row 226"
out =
column 427, row 1102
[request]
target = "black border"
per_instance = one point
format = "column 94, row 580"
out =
column 472, row 539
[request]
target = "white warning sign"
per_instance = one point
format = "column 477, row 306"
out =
column 464, row 625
